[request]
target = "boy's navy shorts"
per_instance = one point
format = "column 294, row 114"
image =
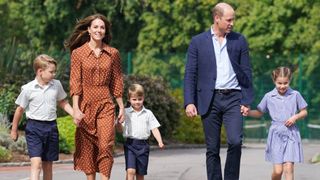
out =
column 42, row 139
column 137, row 155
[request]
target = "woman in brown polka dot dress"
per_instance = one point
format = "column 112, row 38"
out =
column 95, row 78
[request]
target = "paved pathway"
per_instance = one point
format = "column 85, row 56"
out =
column 185, row 164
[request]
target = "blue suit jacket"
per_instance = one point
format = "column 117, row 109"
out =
column 201, row 70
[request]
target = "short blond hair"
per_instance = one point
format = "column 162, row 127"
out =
column 42, row 61
column 218, row 9
column 135, row 90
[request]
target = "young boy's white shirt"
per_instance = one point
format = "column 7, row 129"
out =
column 138, row 125
column 40, row 103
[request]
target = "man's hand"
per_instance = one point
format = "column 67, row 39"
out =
column 244, row 110
column 191, row 110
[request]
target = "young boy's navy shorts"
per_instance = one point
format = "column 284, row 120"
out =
column 137, row 155
column 42, row 139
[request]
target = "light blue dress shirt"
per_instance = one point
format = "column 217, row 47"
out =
column 226, row 77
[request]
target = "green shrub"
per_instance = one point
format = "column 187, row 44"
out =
column 159, row 100
column 64, row 147
column 5, row 140
column 119, row 138
column 8, row 95
column 190, row 130
column 5, row 155
column 67, row 130
column 19, row 146
column 315, row 158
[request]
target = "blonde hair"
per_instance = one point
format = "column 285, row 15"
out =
column 218, row 9
column 281, row 72
column 135, row 90
column 42, row 61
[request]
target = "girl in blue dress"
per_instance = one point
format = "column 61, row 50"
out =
column 285, row 107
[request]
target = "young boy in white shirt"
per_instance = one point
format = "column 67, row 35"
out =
column 39, row 98
column 137, row 125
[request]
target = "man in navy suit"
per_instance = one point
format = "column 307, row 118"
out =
column 218, row 87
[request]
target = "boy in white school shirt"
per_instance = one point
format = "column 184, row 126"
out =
column 39, row 98
column 137, row 125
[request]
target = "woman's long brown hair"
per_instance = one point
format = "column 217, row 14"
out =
column 80, row 33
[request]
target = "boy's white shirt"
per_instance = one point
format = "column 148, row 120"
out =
column 40, row 103
column 138, row 125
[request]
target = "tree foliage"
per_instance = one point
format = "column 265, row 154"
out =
column 271, row 26
column 33, row 27
column 163, row 40
column 279, row 32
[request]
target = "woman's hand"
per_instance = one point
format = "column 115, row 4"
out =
column 121, row 115
column 77, row 116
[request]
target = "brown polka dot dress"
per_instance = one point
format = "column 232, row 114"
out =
column 96, row 80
